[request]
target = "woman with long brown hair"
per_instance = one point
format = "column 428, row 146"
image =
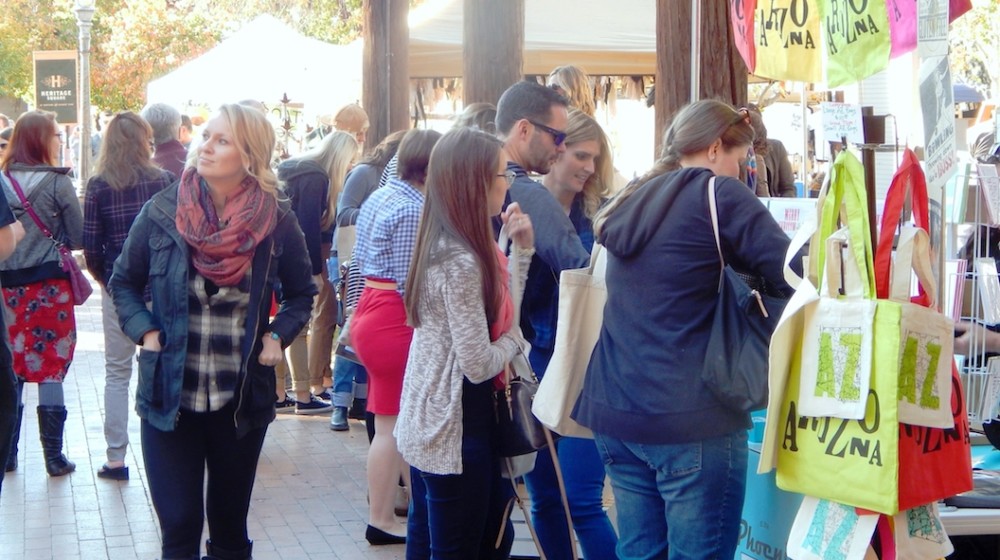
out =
column 458, row 300
column 35, row 287
column 125, row 178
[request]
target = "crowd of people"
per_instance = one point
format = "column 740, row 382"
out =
column 226, row 273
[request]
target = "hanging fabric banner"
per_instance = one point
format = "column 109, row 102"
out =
column 856, row 39
column 902, row 25
column 788, row 41
column 742, row 15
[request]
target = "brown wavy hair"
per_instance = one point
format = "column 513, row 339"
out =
column 30, row 143
column 125, row 154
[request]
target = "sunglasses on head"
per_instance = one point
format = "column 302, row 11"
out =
column 742, row 114
column 557, row 135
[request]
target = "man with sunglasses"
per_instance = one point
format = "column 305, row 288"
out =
column 531, row 121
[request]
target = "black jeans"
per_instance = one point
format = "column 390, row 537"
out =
column 458, row 517
column 175, row 467
column 8, row 403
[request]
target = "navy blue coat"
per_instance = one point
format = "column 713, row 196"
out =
column 643, row 384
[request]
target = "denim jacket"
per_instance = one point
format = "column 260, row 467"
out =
column 155, row 253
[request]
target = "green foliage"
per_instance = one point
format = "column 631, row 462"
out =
column 136, row 41
column 975, row 47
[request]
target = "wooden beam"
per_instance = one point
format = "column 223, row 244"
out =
column 493, row 33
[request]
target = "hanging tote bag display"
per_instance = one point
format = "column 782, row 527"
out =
column 735, row 368
column 838, row 338
column 874, row 463
column 848, row 461
column 582, row 295
column 927, row 336
column 934, row 462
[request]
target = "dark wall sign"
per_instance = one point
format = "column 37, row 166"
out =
column 56, row 86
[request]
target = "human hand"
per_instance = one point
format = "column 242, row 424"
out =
column 151, row 341
column 519, row 227
column 270, row 353
column 973, row 337
column 17, row 228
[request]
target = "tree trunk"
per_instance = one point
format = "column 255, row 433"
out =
column 723, row 73
column 385, row 92
column 493, row 34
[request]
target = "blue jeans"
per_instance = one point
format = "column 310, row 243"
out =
column 175, row 468
column 583, row 473
column 345, row 374
column 9, row 402
column 677, row 501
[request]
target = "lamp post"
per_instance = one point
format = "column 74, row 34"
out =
column 84, row 10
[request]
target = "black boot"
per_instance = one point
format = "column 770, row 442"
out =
column 12, row 458
column 51, row 420
column 217, row 553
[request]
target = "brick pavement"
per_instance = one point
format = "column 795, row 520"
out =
column 309, row 501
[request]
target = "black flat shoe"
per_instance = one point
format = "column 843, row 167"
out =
column 377, row 537
column 116, row 473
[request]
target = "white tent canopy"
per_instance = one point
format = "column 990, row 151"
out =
column 263, row 61
column 602, row 37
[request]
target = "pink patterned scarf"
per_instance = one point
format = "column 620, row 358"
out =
column 222, row 246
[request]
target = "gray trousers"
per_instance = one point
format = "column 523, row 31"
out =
column 119, row 353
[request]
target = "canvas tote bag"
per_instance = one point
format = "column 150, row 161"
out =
column 582, row 295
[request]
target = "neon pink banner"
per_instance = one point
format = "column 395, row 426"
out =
column 902, row 25
column 742, row 15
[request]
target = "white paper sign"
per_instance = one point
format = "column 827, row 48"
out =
column 932, row 28
column 938, row 108
column 840, row 120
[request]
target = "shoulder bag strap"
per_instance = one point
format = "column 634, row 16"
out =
column 29, row 209
column 713, row 209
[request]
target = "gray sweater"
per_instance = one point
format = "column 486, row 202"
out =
column 451, row 343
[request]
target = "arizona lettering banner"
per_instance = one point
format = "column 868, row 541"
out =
column 788, row 41
column 857, row 41
column 835, row 42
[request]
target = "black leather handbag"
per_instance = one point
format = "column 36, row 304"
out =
column 735, row 368
column 518, row 431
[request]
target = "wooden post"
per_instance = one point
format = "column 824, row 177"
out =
column 385, row 92
column 723, row 73
column 493, row 34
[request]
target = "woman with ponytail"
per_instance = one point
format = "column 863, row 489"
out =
column 675, row 455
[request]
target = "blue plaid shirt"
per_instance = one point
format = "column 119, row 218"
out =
column 387, row 232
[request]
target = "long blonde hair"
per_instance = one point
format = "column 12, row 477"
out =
column 335, row 154
column 583, row 128
column 575, row 85
column 694, row 128
column 124, row 159
column 254, row 137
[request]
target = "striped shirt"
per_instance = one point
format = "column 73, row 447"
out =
column 387, row 232
column 216, row 323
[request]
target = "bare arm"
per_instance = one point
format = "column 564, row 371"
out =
column 9, row 236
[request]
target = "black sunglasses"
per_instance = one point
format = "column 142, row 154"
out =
column 557, row 135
